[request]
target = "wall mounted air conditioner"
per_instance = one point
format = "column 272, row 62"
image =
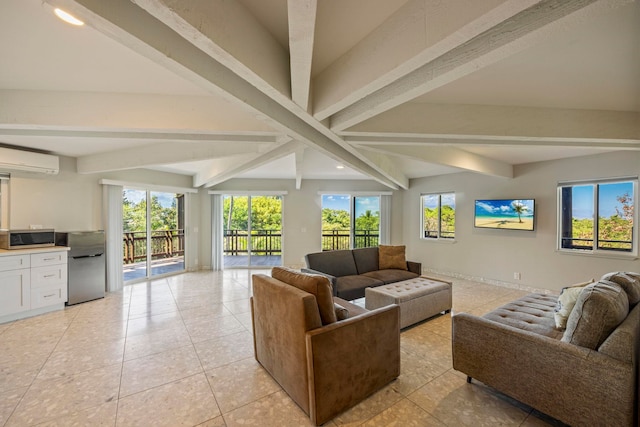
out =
column 27, row 161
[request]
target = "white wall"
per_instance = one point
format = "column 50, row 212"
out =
column 496, row 255
column 66, row 201
column 202, row 221
column 69, row 201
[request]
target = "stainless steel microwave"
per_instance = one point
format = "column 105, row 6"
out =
column 23, row 239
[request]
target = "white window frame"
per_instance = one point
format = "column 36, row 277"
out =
column 439, row 237
column 4, row 201
column 595, row 251
column 384, row 232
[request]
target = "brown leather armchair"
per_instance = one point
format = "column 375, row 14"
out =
column 328, row 368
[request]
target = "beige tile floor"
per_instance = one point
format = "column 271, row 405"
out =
column 178, row 351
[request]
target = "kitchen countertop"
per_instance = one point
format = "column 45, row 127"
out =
column 7, row 252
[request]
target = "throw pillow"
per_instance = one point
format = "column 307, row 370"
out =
column 628, row 281
column 600, row 308
column 341, row 312
column 315, row 284
column 566, row 302
column 392, row 257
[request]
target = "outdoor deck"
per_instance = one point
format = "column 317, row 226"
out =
column 232, row 261
column 174, row 265
column 160, row 266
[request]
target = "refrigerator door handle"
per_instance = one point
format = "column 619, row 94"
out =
column 86, row 256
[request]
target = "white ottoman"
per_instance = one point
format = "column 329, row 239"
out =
column 418, row 298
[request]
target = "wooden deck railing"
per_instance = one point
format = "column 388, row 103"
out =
column 164, row 244
column 340, row 239
column 263, row 242
column 584, row 243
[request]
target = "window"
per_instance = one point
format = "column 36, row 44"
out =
column 350, row 221
column 438, row 215
column 598, row 216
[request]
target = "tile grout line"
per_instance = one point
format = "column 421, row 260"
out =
column 124, row 349
column 213, row 394
column 35, row 377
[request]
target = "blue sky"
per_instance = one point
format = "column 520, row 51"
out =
column 583, row 199
column 341, row 202
column 136, row 196
column 337, row 202
column 431, row 201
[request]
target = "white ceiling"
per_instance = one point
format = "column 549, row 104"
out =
column 396, row 89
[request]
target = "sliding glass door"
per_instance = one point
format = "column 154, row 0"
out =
column 366, row 232
column 152, row 234
column 252, row 231
column 350, row 221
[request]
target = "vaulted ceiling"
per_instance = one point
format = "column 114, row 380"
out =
column 387, row 90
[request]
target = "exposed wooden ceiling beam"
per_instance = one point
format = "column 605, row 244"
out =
column 136, row 134
column 524, row 29
column 449, row 156
column 229, row 32
column 416, row 34
column 498, row 122
column 299, row 159
column 224, row 170
column 164, row 153
column 102, row 110
column 380, row 157
column 398, row 140
column 302, row 24
column 194, row 58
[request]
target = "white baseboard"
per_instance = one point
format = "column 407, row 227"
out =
column 489, row 281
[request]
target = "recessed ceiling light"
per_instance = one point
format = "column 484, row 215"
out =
column 68, row 18
column 340, row 167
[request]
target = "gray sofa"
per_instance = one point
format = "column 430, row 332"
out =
column 586, row 375
column 352, row 271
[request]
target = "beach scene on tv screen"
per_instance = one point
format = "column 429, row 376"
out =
column 508, row 214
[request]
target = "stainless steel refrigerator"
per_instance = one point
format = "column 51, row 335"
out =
column 86, row 260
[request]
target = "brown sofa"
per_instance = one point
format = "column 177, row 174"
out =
column 326, row 365
column 351, row 271
column 585, row 375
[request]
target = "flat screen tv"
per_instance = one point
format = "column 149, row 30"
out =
column 505, row 214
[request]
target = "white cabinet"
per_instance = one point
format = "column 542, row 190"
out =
column 32, row 281
column 15, row 291
column 14, row 262
column 49, row 281
column 48, row 258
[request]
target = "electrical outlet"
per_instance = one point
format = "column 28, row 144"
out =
column 517, row 276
